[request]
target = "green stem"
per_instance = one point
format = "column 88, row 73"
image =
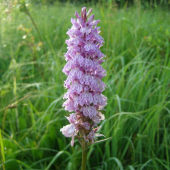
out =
column 84, row 155
column 35, row 25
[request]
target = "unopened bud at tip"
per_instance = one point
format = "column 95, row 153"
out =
column 83, row 12
column 83, row 9
column 77, row 15
column 89, row 12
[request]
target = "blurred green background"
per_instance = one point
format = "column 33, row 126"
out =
column 137, row 48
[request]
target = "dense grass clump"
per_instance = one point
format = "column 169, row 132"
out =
column 137, row 48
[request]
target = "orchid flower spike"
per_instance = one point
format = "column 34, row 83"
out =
column 84, row 82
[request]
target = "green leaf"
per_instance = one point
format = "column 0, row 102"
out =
column 118, row 162
column 55, row 158
column 2, row 148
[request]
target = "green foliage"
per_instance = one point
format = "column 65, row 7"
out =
column 2, row 155
column 137, row 52
column 119, row 3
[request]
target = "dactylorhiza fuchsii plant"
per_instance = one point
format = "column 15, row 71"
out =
column 84, row 84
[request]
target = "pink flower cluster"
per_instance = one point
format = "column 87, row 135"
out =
column 84, row 84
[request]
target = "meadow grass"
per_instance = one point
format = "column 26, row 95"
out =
column 137, row 44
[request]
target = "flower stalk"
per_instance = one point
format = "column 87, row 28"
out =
column 84, row 155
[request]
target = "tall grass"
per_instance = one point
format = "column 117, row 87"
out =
column 31, row 89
